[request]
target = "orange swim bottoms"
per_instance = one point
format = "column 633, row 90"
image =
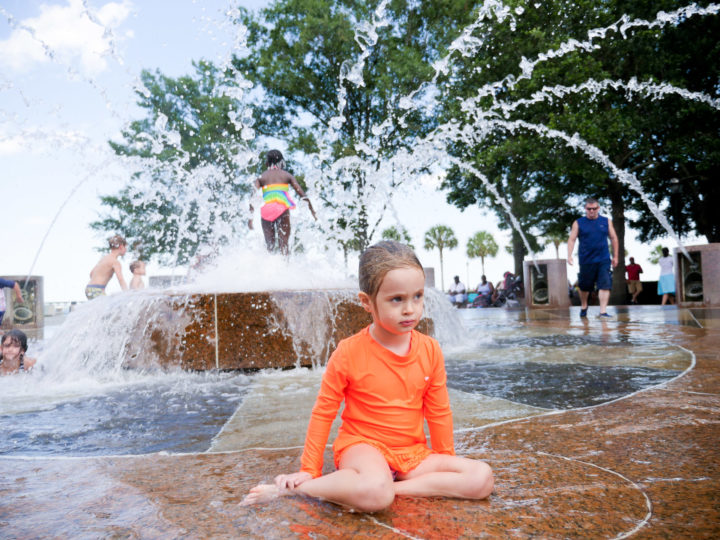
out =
column 401, row 460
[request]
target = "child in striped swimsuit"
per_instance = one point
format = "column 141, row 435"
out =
column 275, row 216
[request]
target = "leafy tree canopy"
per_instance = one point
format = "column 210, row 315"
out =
column 189, row 156
column 550, row 113
column 398, row 235
column 334, row 73
column 481, row 244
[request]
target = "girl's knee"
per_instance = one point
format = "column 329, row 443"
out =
column 375, row 494
column 482, row 481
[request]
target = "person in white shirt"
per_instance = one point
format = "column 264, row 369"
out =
column 666, row 283
column 485, row 291
column 457, row 293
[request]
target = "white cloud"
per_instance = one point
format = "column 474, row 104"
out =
column 68, row 34
column 10, row 145
column 40, row 140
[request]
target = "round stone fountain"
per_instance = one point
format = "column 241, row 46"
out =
column 245, row 330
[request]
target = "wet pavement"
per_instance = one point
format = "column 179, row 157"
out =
column 642, row 466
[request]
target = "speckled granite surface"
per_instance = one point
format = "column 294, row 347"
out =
column 246, row 330
column 644, row 466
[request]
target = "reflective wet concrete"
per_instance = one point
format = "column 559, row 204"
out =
column 644, row 466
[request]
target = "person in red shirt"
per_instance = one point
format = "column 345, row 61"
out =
column 392, row 378
column 633, row 279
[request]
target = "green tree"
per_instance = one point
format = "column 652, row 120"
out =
column 190, row 155
column 524, row 129
column 481, row 244
column 341, row 68
column 440, row 237
column 392, row 233
column 656, row 254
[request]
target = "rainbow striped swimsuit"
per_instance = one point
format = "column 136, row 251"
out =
column 277, row 201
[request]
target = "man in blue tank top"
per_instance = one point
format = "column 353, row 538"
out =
column 593, row 231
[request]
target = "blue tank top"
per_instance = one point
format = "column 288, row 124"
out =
column 593, row 235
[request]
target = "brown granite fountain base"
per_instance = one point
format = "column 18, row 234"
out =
column 644, row 466
column 251, row 330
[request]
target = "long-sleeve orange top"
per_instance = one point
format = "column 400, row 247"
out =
column 386, row 398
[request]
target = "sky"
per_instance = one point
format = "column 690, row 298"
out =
column 67, row 70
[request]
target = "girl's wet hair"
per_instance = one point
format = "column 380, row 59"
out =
column 665, row 252
column 377, row 260
column 15, row 336
column 275, row 157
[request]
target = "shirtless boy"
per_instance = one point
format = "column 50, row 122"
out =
column 138, row 271
column 104, row 270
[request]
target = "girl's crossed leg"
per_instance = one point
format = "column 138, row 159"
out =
column 442, row 475
column 364, row 481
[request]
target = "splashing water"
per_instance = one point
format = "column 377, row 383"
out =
column 432, row 148
column 96, row 339
column 82, row 402
column 381, row 175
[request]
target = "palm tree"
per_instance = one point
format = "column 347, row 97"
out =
column 441, row 237
column 402, row 236
column 482, row 244
column 556, row 239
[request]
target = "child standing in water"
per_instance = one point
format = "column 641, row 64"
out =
column 391, row 378
column 275, row 183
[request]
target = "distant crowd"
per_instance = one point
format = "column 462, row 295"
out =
column 485, row 294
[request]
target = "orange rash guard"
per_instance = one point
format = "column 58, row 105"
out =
column 386, row 398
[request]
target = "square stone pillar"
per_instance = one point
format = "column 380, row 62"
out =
column 29, row 316
column 697, row 281
column 429, row 276
column 547, row 287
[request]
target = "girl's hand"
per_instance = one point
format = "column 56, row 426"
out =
column 291, row 481
column 310, row 206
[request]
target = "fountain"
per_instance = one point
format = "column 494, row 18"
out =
column 589, row 426
column 253, row 330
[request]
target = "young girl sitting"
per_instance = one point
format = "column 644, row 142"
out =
column 391, row 378
column 12, row 353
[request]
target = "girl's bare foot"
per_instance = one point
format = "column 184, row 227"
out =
column 263, row 493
